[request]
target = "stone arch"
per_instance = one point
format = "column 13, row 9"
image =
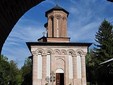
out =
column 59, row 70
column 40, row 50
column 50, row 17
column 58, row 16
column 49, row 51
column 71, row 51
column 57, row 51
column 63, row 52
column 60, row 63
column 79, row 52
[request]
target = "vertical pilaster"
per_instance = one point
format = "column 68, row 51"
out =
column 35, row 67
column 50, row 26
column 55, row 26
column 66, row 75
column 44, row 56
column 83, row 70
column 74, row 70
column 52, row 63
column 64, row 27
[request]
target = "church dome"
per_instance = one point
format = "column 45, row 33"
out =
column 56, row 8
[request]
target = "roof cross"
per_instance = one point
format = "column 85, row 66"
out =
column 57, row 2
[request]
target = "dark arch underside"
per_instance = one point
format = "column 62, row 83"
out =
column 10, row 13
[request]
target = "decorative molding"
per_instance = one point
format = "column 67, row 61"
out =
column 57, row 51
column 49, row 50
column 79, row 52
column 58, row 16
column 63, row 52
column 50, row 17
column 40, row 50
column 71, row 51
column 44, row 54
column 34, row 53
column 64, row 18
column 60, row 63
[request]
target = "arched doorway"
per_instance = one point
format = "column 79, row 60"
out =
column 59, row 77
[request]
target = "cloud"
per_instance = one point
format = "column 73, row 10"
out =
column 15, row 46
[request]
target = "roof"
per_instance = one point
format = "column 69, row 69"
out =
column 56, row 44
column 56, row 8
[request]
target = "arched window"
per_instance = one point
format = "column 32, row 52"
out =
column 57, row 27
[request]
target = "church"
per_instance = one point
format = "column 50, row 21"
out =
column 56, row 60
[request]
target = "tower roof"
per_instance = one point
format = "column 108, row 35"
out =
column 56, row 8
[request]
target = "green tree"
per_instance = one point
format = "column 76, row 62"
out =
column 90, row 68
column 27, row 72
column 104, row 51
column 104, row 39
column 9, row 72
column 4, row 70
column 15, row 75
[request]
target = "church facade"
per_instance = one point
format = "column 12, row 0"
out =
column 56, row 60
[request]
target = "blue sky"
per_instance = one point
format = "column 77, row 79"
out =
column 84, row 19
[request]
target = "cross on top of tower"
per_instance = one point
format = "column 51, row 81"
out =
column 57, row 2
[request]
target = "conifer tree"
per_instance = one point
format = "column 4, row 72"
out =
column 104, row 39
column 104, row 52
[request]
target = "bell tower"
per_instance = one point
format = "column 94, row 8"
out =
column 56, row 25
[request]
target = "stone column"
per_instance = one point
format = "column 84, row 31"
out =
column 51, row 63
column 43, row 68
column 66, row 75
column 64, row 23
column 52, row 66
column 35, row 65
column 74, row 70
column 50, row 26
column 83, row 69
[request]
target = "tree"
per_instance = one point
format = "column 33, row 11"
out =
column 90, row 68
column 104, row 51
column 15, row 75
column 4, row 70
column 104, row 39
column 27, row 72
column 9, row 72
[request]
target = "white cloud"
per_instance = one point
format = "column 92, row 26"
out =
column 15, row 46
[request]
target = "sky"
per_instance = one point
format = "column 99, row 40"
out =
column 83, row 22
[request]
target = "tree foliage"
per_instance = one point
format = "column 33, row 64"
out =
column 9, row 72
column 27, row 72
column 104, row 39
column 97, row 73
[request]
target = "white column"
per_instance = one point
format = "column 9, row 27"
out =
column 70, row 67
column 79, row 69
column 48, row 62
column 83, row 70
column 39, row 66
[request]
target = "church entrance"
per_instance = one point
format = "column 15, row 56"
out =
column 59, row 77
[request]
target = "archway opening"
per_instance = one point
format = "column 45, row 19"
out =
column 59, row 77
